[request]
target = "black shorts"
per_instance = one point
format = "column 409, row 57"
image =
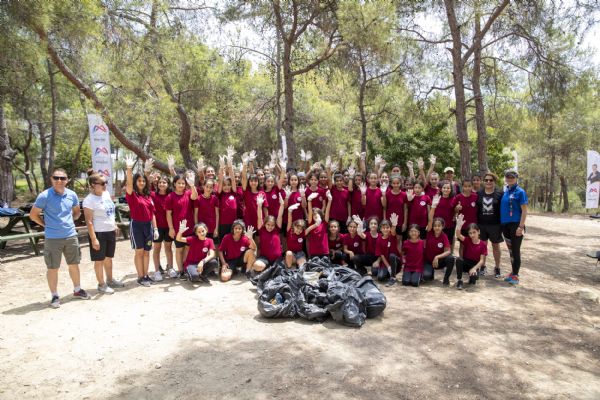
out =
column 141, row 234
column 108, row 244
column 223, row 230
column 180, row 245
column 163, row 236
column 493, row 233
column 235, row 263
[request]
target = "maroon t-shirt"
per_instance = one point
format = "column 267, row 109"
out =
column 296, row 198
column 431, row 191
column 445, row 210
column 386, row 246
column 240, row 202
column 417, row 210
column 295, row 243
column 228, row 207
column 181, row 207
column 160, row 212
column 373, row 206
column 198, row 249
column 336, row 244
column 356, row 206
column 273, row 198
column 270, row 244
column 207, row 211
column 232, row 248
column 318, row 243
column 395, row 204
column 251, row 207
column 435, row 245
column 339, row 204
column 469, row 207
column 141, row 208
column 355, row 244
column 320, row 200
column 472, row 251
column 371, row 243
column 413, row 255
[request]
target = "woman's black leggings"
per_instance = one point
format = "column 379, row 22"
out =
column 338, row 256
column 461, row 265
column 429, row 271
column 513, row 242
column 360, row 261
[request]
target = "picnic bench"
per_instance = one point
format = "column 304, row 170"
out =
column 12, row 230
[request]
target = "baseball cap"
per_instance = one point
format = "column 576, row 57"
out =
column 511, row 173
column 448, row 169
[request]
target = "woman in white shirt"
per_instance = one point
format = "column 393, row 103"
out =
column 99, row 211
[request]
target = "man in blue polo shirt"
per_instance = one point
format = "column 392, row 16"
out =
column 61, row 207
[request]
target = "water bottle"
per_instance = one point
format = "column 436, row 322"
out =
column 279, row 298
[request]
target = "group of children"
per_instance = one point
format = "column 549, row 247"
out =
column 246, row 218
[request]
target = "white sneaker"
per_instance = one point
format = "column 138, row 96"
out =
column 173, row 273
column 157, row 277
column 105, row 289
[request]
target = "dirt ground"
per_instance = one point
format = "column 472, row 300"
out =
column 540, row 340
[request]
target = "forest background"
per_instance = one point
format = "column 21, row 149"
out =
column 478, row 83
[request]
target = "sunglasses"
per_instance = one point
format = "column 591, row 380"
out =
column 99, row 183
column 60, row 178
column 488, row 180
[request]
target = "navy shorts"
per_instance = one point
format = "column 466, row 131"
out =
column 141, row 234
column 163, row 236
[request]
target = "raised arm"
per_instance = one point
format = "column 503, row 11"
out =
column 129, row 161
column 460, row 221
column 259, row 211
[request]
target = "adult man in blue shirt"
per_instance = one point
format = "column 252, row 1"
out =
column 61, row 207
column 513, row 213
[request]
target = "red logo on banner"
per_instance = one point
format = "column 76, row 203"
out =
column 101, row 150
column 593, row 190
column 101, row 128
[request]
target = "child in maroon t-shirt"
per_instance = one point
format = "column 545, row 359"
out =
column 201, row 257
column 474, row 252
column 413, row 251
column 295, row 239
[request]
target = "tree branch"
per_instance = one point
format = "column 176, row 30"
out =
column 477, row 39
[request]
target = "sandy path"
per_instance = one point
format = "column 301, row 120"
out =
column 536, row 341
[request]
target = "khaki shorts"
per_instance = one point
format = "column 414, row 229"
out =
column 55, row 248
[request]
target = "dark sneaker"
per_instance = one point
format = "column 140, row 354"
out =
column 55, row 302
column 446, row 282
column 472, row 279
column 182, row 276
column 115, row 284
column 147, row 279
column 81, row 294
column 143, row 282
column 161, row 269
column 203, row 278
column 482, row 271
column 459, row 285
column 391, row 282
column 497, row 273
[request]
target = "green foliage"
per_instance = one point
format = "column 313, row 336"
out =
column 66, row 159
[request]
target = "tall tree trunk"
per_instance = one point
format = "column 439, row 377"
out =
column 479, row 107
column 551, row 183
column 25, row 150
column 84, row 136
column 361, row 107
column 460, row 109
column 565, row 192
column 278, row 87
column 7, row 155
column 43, row 153
column 54, row 122
column 288, row 94
column 98, row 105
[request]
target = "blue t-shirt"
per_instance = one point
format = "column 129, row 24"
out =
column 58, row 209
column 510, row 205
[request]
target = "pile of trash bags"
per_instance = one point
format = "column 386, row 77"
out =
column 316, row 291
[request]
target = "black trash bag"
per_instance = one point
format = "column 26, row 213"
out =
column 347, row 304
column 307, row 309
column 266, row 275
column 286, row 309
column 346, row 275
column 374, row 298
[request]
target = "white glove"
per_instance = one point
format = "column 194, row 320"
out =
column 363, row 188
column 420, row 163
column 409, row 164
column 357, row 219
column 435, row 201
column 252, row 155
column 432, row 159
column 328, row 162
column 250, row 232
column 394, row 219
column 260, row 200
column 378, row 159
column 230, row 152
column 312, row 196
column 148, row 165
column 283, row 165
column 129, row 161
column 360, row 228
column 410, row 194
column 348, row 220
column 294, row 207
column 308, row 156
column 183, row 225
column 191, row 179
column 383, row 163
column 171, row 161
column 460, row 221
column 200, row 165
column 329, row 196
column 222, row 162
column 317, row 219
column 383, row 188
column 245, row 158
column 288, row 192
column 302, row 190
column 351, row 172
column 155, row 235
column 302, row 155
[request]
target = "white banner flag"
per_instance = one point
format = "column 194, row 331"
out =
column 592, row 190
column 100, row 145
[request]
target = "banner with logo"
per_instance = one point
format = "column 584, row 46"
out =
column 592, row 190
column 100, row 145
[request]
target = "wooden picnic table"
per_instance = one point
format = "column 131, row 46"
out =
column 8, row 232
